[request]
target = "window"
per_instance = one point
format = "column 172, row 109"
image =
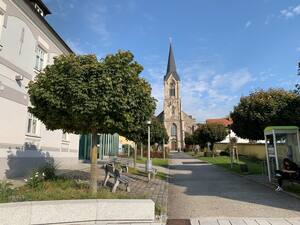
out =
column 172, row 89
column 173, row 110
column 39, row 10
column 173, row 130
column 65, row 136
column 39, row 58
column 32, row 125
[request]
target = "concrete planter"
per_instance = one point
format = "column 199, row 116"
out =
column 77, row 211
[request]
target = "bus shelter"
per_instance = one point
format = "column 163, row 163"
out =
column 281, row 142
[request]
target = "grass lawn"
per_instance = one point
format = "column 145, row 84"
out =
column 59, row 189
column 155, row 162
column 254, row 166
column 294, row 188
column 159, row 175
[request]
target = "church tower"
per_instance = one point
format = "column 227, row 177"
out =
column 172, row 105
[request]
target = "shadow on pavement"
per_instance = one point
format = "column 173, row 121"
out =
column 209, row 180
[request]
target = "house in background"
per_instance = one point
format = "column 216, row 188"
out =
column 226, row 122
column 27, row 44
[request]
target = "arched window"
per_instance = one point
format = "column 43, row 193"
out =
column 173, row 110
column 172, row 88
column 173, row 130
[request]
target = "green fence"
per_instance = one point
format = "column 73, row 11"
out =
column 108, row 145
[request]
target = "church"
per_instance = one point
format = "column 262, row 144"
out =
column 177, row 123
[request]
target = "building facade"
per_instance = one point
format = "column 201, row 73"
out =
column 177, row 122
column 27, row 44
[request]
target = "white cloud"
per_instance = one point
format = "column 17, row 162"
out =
column 205, row 92
column 248, row 24
column 298, row 49
column 290, row 12
column 97, row 21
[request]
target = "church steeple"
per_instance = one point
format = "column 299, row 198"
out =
column 171, row 69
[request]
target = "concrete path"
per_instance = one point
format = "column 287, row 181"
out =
column 199, row 190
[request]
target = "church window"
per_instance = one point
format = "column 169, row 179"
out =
column 173, row 130
column 173, row 110
column 172, row 88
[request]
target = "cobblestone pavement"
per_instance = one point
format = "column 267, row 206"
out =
column 156, row 189
column 245, row 221
column 199, row 189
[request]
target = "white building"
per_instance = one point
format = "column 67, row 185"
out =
column 27, row 44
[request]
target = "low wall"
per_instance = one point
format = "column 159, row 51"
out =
column 252, row 150
column 77, row 211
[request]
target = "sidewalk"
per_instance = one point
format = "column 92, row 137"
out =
column 199, row 189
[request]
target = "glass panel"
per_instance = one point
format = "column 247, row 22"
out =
column 287, row 147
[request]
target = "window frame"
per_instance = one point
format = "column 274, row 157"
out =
column 65, row 137
column 32, row 125
column 39, row 59
column 172, row 89
column 173, row 130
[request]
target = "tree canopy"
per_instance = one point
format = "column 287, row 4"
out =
column 210, row 133
column 157, row 130
column 189, row 139
column 81, row 94
column 274, row 107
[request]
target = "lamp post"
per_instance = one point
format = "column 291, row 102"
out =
column 149, row 162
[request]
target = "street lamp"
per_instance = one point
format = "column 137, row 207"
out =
column 149, row 162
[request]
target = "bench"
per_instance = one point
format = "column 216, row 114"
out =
column 124, row 163
column 112, row 172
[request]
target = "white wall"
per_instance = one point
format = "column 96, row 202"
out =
column 12, row 122
column 19, row 57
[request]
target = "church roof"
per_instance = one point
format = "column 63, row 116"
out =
column 171, row 69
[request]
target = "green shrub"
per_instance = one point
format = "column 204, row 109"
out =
column 224, row 153
column 6, row 191
column 49, row 171
column 35, row 180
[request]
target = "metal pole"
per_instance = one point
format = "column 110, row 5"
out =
column 149, row 164
column 275, row 148
column 267, row 157
column 142, row 150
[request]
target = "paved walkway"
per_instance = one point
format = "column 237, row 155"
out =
column 198, row 189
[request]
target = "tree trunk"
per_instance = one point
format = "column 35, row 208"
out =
column 134, row 157
column 94, row 169
column 164, row 149
column 142, row 151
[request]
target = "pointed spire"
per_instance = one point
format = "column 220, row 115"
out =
column 171, row 69
column 171, row 61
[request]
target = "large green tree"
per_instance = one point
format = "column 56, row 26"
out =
column 211, row 133
column 274, row 107
column 81, row 94
column 157, row 130
column 189, row 139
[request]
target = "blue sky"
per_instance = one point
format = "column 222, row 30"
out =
column 223, row 49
